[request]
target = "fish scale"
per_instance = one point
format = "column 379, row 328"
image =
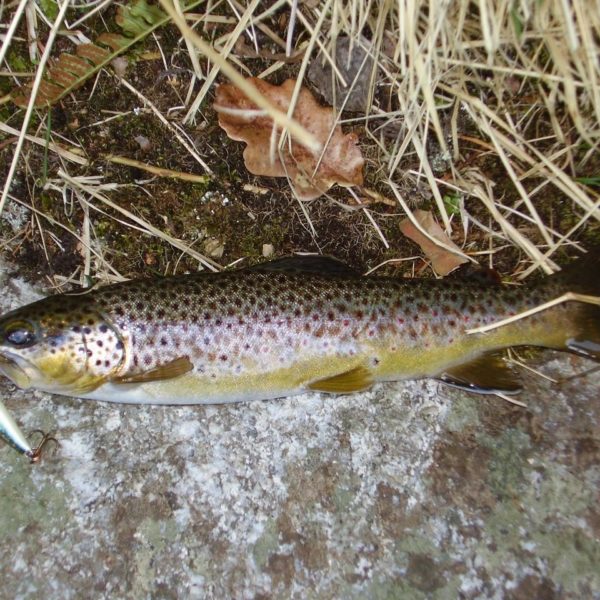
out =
column 284, row 317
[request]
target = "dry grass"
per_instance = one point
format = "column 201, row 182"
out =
column 487, row 111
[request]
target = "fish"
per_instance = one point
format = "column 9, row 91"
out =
column 289, row 326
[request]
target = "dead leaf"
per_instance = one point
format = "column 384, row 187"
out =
column 342, row 160
column 443, row 261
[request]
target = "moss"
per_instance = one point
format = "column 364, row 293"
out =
column 464, row 412
column 266, row 544
column 507, row 463
column 25, row 504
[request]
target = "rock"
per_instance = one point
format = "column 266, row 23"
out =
column 349, row 59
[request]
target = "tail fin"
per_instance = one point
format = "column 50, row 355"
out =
column 582, row 277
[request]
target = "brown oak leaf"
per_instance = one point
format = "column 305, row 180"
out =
column 442, row 260
column 342, row 160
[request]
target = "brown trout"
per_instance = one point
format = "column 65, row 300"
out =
column 283, row 328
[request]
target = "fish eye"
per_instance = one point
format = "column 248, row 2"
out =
column 19, row 334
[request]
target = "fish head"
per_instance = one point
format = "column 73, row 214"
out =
column 60, row 345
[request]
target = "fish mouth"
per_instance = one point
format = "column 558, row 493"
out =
column 10, row 367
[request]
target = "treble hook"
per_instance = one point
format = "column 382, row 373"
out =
column 35, row 454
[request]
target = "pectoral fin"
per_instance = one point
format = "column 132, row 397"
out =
column 355, row 380
column 488, row 374
column 169, row 370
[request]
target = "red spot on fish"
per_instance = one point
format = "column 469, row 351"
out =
column 346, row 322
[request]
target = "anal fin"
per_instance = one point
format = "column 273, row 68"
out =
column 354, row 380
column 487, row 374
column 169, row 370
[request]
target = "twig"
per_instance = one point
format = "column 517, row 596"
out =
column 159, row 171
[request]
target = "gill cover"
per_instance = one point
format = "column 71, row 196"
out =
column 59, row 344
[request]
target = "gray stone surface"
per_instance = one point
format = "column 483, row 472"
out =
column 410, row 490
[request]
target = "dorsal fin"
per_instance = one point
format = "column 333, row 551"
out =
column 320, row 265
column 487, row 374
column 476, row 274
